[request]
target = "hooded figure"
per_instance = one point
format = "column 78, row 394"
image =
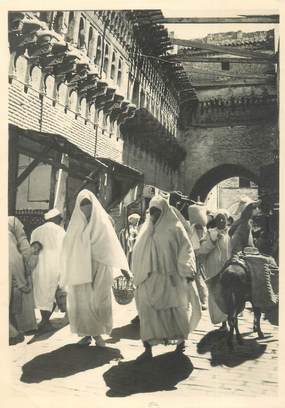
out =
column 92, row 254
column 215, row 247
column 22, row 314
column 162, row 265
column 199, row 217
column 241, row 230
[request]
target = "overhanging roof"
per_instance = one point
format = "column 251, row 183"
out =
column 33, row 141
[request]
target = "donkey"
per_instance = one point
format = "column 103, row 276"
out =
column 236, row 290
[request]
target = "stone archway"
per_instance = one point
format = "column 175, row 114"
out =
column 217, row 174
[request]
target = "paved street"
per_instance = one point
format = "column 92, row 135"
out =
column 52, row 364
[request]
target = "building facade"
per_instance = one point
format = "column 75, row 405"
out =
column 91, row 103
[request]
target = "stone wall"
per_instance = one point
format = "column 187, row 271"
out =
column 241, row 149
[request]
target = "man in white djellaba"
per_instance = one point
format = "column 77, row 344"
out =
column 46, row 274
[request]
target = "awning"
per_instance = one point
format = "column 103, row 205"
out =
column 46, row 147
column 121, row 171
column 32, row 142
column 124, row 178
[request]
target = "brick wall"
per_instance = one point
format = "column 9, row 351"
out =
column 27, row 110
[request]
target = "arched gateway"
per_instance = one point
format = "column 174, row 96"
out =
column 217, row 174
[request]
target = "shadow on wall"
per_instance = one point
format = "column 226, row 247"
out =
column 67, row 361
column 162, row 373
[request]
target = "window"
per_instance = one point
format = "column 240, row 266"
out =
column 34, row 191
column 136, row 91
column 81, row 34
column 113, row 66
column 62, row 92
column 98, row 51
column 69, row 35
column 119, row 80
column 36, row 78
column 225, row 66
column 49, row 86
column 106, row 59
column 58, row 22
column 73, row 101
column 21, row 68
column 90, row 42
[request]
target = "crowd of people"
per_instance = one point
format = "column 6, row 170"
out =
column 173, row 263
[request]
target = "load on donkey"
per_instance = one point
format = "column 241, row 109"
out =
column 246, row 276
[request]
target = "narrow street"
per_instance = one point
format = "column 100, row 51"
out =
column 53, row 363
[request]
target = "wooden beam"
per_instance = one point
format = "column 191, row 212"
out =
column 225, row 50
column 212, row 72
column 270, row 19
column 212, row 84
column 13, row 161
column 32, row 166
column 177, row 58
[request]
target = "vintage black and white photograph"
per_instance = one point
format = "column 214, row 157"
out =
column 143, row 204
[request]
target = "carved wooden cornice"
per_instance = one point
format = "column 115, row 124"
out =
column 103, row 99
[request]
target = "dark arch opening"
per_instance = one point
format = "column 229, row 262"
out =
column 214, row 176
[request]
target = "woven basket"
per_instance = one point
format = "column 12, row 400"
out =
column 60, row 297
column 123, row 290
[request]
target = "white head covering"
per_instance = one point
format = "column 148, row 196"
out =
column 51, row 214
column 87, row 241
column 152, row 246
column 198, row 214
column 135, row 217
column 223, row 212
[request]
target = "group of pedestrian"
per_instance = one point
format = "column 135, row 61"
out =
column 171, row 261
column 34, row 270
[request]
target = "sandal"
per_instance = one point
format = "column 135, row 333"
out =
column 180, row 348
column 86, row 341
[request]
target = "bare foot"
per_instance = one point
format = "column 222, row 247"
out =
column 99, row 341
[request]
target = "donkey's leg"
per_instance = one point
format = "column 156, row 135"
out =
column 239, row 336
column 231, row 322
column 256, row 322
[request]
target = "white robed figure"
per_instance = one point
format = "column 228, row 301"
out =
column 92, row 254
column 47, row 272
column 163, row 266
column 216, row 250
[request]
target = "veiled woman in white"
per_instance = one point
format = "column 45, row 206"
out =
column 163, row 264
column 91, row 254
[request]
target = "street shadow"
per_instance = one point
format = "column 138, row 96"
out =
column 130, row 331
column 56, row 325
column 215, row 343
column 66, row 361
column 162, row 373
